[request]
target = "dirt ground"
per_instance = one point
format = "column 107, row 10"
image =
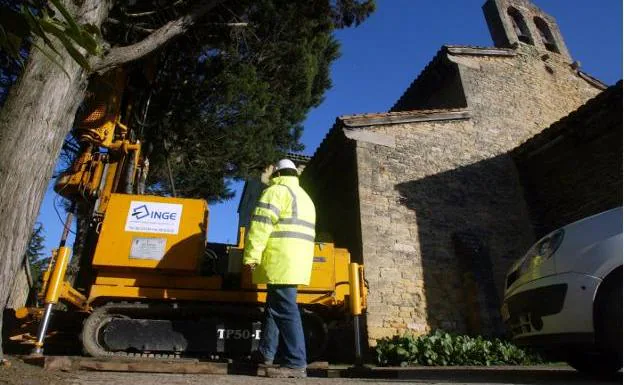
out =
column 15, row 372
column 20, row 373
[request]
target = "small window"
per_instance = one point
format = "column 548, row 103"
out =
column 546, row 35
column 520, row 27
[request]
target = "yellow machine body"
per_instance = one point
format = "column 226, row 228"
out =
column 153, row 248
column 151, row 232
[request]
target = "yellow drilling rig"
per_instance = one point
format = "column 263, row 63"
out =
column 149, row 283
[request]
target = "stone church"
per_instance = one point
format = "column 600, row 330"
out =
column 438, row 196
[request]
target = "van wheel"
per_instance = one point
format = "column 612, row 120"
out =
column 608, row 316
column 595, row 363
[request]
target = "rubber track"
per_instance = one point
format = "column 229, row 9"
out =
column 115, row 308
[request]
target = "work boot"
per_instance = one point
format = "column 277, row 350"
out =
column 258, row 358
column 284, row 372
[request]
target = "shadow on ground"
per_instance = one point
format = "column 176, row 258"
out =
column 555, row 376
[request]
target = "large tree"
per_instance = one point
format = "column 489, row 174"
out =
column 231, row 93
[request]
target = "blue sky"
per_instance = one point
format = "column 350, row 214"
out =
column 381, row 57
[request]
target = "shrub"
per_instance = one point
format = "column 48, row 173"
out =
column 441, row 349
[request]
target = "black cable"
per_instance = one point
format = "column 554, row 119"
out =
column 57, row 212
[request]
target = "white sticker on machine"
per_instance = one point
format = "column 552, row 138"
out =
column 152, row 217
column 148, row 248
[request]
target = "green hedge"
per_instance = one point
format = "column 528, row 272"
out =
column 442, row 349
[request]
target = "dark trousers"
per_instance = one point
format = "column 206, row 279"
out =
column 282, row 327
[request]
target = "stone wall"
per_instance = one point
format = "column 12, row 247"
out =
column 433, row 205
column 416, row 201
column 574, row 168
column 331, row 182
column 438, row 86
column 442, row 212
column 514, row 98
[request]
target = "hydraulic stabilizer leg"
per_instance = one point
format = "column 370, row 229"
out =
column 355, row 298
column 54, row 282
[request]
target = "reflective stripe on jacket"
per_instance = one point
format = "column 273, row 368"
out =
column 281, row 234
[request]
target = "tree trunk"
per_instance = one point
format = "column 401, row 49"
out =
column 37, row 116
column 34, row 121
column 21, row 287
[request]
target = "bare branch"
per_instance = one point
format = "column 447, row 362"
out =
column 131, row 26
column 229, row 24
column 154, row 41
column 149, row 13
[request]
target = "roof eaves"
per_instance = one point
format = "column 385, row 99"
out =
column 414, row 116
column 298, row 158
column 592, row 80
column 479, row 51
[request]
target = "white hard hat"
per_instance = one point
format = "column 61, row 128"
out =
column 283, row 164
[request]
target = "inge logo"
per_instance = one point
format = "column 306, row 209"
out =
column 140, row 212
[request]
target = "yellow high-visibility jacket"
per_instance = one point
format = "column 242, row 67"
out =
column 281, row 234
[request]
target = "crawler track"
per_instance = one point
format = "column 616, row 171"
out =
column 175, row 330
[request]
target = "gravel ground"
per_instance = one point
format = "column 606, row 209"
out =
column 19, row 373
column 16, row 372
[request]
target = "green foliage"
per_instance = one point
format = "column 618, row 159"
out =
column 442, row 349
column 227, row 98
column 230, row 108
column 19, row 25
column 349, row 12
column 34, row 253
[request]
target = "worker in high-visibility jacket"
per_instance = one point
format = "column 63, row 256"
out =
column 279, row 250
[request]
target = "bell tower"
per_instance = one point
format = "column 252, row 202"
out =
column 514, row 22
